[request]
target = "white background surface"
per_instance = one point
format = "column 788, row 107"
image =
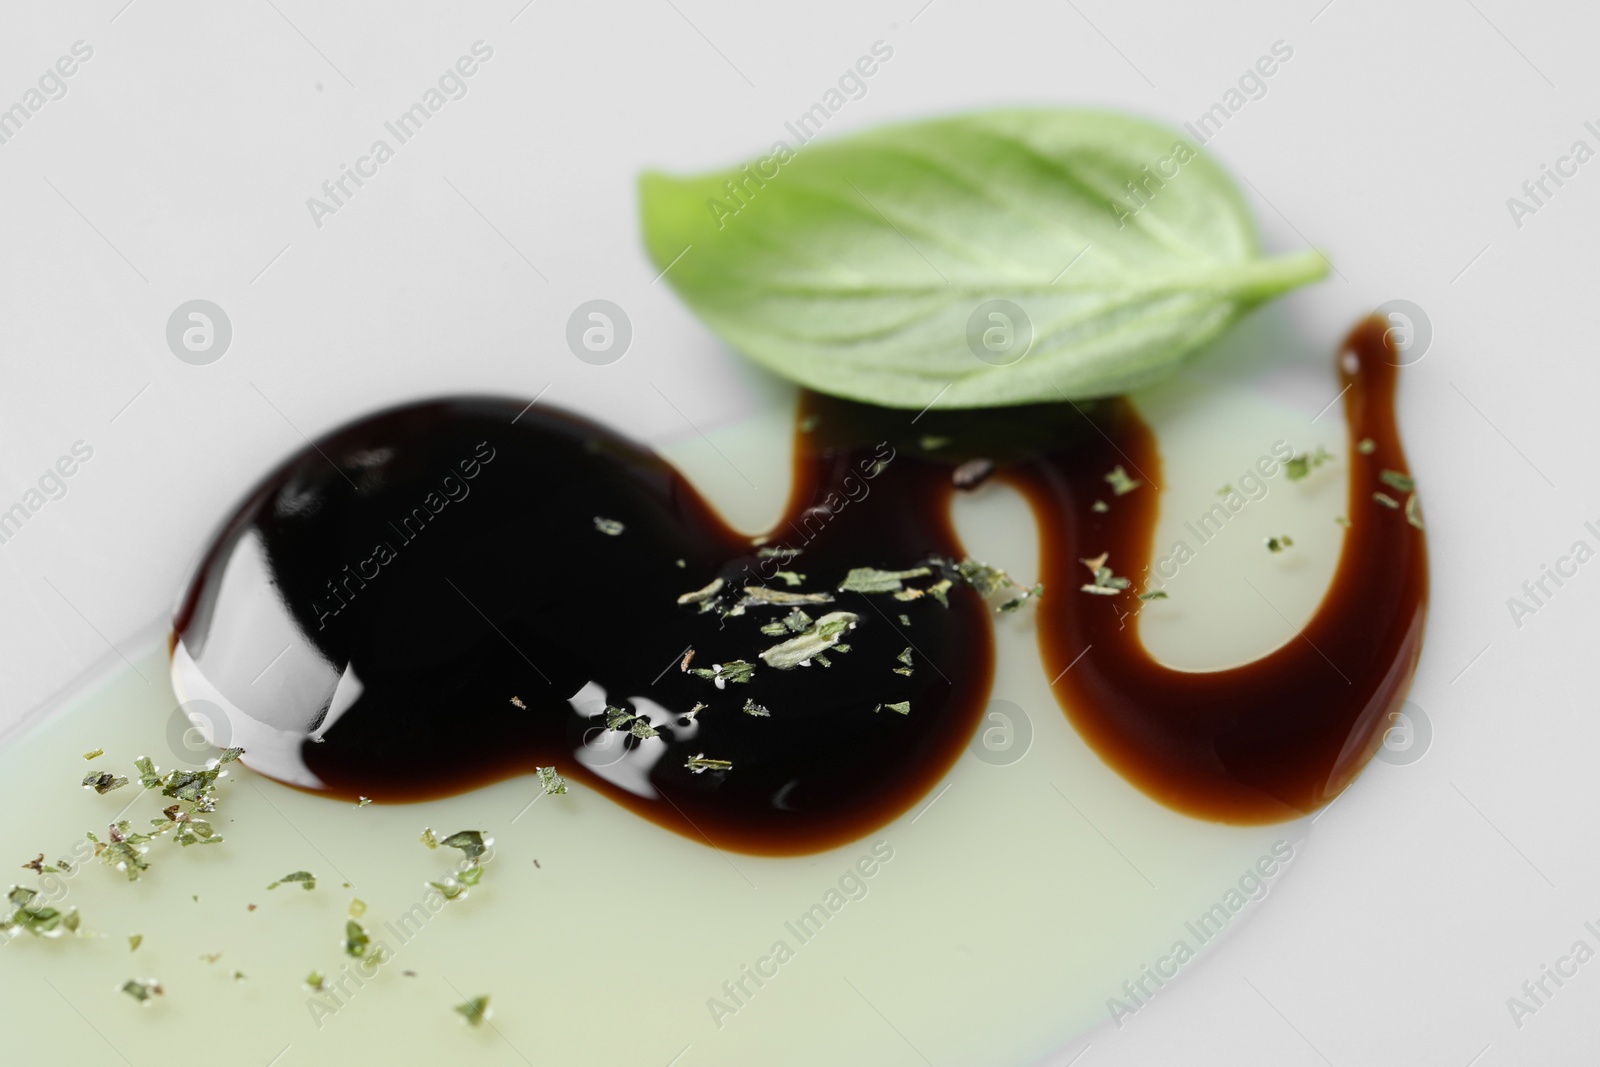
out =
column 179, row 163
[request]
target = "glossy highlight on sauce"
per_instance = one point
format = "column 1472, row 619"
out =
column 453, row 592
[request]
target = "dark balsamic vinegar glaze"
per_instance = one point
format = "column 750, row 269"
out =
column 427, row 564
column 514, row 590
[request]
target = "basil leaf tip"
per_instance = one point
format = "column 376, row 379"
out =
column 999, row 257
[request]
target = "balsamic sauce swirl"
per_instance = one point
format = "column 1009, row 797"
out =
column 428, row 564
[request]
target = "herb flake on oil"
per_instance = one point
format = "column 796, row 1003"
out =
column 143, row 989
column 307, row 880
column 121, row 850
column 38, row 919
column 1300, row 466
column 103, row 782
column 474, row 1011
column 356, row 941
column 472, row 843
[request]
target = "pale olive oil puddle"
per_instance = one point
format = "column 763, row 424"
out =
column 1027, row 891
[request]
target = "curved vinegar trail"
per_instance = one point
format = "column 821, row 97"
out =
column 1268, row 740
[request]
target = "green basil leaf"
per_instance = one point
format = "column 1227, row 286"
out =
column 858, row 266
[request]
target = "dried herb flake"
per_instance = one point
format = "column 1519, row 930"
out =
column 475, row 1011
column 873, row 580
column 700, row 764
column 307, row 880
column 1120, row 483
column 142, row 989
column 103, row 782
